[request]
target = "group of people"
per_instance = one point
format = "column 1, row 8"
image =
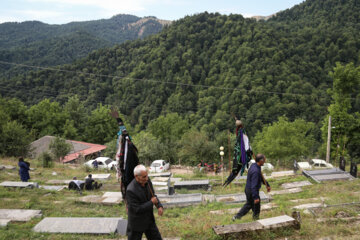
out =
column 89, row 184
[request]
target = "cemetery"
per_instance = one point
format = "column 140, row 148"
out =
column 195, row 205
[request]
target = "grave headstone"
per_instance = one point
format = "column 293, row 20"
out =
column 296, row 184
column 163, row 174
column 100, row 177
column 309, row 205
column 52, row 188
column 233, row 211
column 82, row 225
column 328, row 175
column 19, row 215
column 7, row 167
column 180, row 200
column 238, row 231
column 342, row 163
column 282, row 174
column 4, row 222
column 353, row 169
column 193, row 184
column 285, row 191
column 238, row 198
column 19, row 184
column 54, row 181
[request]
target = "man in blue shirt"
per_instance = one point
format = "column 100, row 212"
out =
column 253, row 185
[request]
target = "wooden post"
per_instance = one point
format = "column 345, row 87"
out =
column 328, row 141
column 229, row 153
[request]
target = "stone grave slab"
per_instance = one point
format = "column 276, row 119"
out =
column 90, row 199
column 52, row 188
column 7, row 167
column 236, row 231
column 282, row 174
column 160, row 183
column 175, row 179
column 82, row 225
column 19, row 184
column 160, row 179
column 54, row 181
column 328, row 175
column 238, row 198
column 285, row 191
column 108, row 198
column 19, row 215
column 4, row 222
column 193, row 184
column 322, row 199
column 163, row 174
column 233, row 211
column 208, row 198
column 309, row 205
column 100, row 177
column 180, row 200
column 296, row 184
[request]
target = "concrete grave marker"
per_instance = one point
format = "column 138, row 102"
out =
column 54, row 181
column 296, row 184
column 4, row 222
column 180, row 200
column 238, row 198
column 264, row 207
column 309, row 205
column 82, row 225
column 7, row 167
column 108, row 198
column 285, row 191
column 163, row 174
column 19, row 215
column 208, row 198
column 328, row 175
column 194, row 184
column 282, row 174
column 236, row 231
column 52, row 188
column 20, row 184
column 100, row 177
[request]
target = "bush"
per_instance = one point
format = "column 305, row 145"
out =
column 46, row 160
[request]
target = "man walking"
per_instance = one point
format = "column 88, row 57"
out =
column 141, row 198
column 253, row 185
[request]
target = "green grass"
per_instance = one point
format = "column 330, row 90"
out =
column 193, row 222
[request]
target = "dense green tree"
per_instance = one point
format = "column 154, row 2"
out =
column 284, row 141
column 59, row 148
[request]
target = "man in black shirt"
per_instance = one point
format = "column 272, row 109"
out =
column 91, row 184
column 141, row 198
column 253, row 185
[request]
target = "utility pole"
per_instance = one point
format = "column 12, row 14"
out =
column 328, row 141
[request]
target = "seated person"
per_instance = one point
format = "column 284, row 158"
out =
column 76, row 184
column 90, row 183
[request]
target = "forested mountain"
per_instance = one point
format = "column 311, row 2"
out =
column 208, row 66
column 37, row 43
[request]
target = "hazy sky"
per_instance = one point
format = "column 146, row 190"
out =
column 64, row 11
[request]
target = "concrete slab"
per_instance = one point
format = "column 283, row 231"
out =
column 174, row 179
column 208, row 198
column 238, row 231
column 309, row 205
column 53, row 188
column 4, row 222
column 82, row 225
column 108, row 198
column 180, row 200
column 54, row 181
column 100, row 177
column 19, row 184
column 238, row 198
column 296, row 184
column 160, row 183
column 19, row 215
column 160, row 179
column 322, row 199
column 282, row 174
column 7, row 167
column 193, row 184
column 113, row 194
column 328, row 175
column 233, row 211
column 163, row 174
column 285, row 191
column 90, row 199
column 267, row 222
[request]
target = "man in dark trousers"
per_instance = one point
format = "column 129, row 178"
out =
column 253, row 185
column 141, row 198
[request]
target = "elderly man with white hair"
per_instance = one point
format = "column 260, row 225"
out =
column 141, row 198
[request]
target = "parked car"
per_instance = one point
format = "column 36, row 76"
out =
column 304, row 166
column 319, row 163
column 159, row 166
column 266, row 166
column 103, row 163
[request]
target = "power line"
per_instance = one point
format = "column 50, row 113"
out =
column 152, row 80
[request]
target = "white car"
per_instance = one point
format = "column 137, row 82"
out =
column 266, row 166
column 303, row 166
column 159, row 166
column 319, row 163
column 103, row 163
